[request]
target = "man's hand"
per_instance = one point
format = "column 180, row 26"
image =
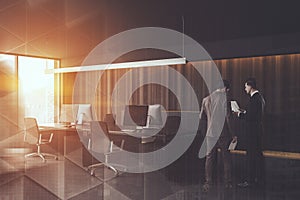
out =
column 234, row 139
column 236, row 113
column 242, row 110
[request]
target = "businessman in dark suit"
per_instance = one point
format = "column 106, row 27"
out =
column 212, row 106
column 253, row 116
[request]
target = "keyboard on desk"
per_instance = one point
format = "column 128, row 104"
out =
column 128, row 130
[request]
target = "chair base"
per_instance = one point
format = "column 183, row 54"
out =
column 41, row 155
column 93, row 167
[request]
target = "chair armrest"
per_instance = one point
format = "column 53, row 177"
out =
column 122, row 144
column 51, row 136
column 45, row 140
column 40, row 139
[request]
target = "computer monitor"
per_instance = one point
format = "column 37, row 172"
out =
column 155, row 116
column 135, row 115
column 84, row 113
column 68, row 113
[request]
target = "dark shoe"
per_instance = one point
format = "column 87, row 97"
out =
column 259, row 182
column 206, row 187
column 244, row 184
column 228, row 186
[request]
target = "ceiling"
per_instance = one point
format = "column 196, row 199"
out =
column 69, row 29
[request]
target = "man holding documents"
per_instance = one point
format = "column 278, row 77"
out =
column 253, row 117
column 211, row 106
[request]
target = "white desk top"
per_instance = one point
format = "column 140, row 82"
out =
column 55, row 126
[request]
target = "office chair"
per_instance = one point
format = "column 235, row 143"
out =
column 100, row 145
column 31, row 128
column 111, row 122
column 170, row 129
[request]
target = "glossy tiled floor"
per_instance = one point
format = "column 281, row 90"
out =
column 64, row 179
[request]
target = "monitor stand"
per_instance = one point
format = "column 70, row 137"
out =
column 80, row 118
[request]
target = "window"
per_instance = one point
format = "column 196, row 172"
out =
column 8, row 96
column 37, row 89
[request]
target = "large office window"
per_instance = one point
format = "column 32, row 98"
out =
column 26, row 91
column 37, row 89
column 8, row 96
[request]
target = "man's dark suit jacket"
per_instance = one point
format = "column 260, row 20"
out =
column 253, row 117
column 254, row 110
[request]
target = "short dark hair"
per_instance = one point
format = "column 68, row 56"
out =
column 227, row 84
column 224, row 83
column 251, row 82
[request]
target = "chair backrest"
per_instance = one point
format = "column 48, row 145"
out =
column 111, row 122
column 100, row 142
column 31, row 130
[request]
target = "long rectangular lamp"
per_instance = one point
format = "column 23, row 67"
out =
column 137, row 64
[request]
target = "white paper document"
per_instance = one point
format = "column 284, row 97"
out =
column 232, row 145
column 234, row 106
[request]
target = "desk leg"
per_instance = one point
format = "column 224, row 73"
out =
column 65, row 146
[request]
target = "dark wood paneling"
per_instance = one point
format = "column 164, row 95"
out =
column 277, row 79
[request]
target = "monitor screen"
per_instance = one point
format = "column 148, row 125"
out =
column 68, row 113
column 135, row 115
column 84, row 113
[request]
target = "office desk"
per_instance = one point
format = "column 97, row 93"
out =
column 60, row 134
column 55, row 127
column 136, row 141
column 144, row 135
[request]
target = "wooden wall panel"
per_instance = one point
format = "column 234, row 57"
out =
column 277, row 79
